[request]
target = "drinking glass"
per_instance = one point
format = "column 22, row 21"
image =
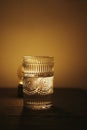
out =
column 38, row 75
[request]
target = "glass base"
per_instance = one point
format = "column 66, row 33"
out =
column 38, row 102
column 37, row 106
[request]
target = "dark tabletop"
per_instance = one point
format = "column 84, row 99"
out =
column 69, row 111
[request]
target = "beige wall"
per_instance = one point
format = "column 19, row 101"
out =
column 44, row 27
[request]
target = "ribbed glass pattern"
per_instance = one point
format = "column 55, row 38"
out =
column 38, row 66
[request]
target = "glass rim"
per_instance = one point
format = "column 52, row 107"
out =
column 26, row 56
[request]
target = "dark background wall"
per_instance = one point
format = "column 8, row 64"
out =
column 44, row 27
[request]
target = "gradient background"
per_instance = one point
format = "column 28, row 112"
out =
column 44, row 27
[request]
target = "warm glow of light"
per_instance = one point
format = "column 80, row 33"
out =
column 44, row 28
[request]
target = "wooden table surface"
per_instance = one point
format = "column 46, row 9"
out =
column 69, row 111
